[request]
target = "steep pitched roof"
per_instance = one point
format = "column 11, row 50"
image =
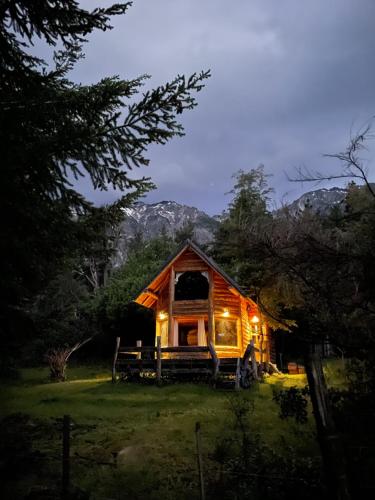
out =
column 148, row 295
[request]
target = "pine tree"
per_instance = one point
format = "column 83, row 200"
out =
column 53, row 130
column 247, row 208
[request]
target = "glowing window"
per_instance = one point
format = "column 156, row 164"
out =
column 226, row 332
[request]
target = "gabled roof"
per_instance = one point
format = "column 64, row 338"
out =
column 148, row 295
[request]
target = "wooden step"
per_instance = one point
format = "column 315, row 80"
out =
column 181, row 361
column 187, row 371
column 140, row 363
column 228, row 361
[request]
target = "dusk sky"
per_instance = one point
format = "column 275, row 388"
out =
column 290, row 80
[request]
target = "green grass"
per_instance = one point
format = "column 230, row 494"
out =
column 150, row 428
column 335, row 372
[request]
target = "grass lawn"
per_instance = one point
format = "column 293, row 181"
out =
column 151, row 430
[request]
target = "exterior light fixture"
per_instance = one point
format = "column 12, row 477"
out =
column 255, row 319
column 226, row 313
column 162, row 315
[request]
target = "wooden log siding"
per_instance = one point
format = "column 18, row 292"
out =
column 245, row 323
column 190, row 261
column 171, row 300
column 220, row 308
column 224, row 299
column 211, row 322
column 163, row 302
column 183, row 268
column 190, row 307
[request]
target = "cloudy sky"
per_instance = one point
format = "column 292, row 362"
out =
column 290, row 80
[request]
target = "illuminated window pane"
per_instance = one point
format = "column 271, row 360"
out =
column 226, row 332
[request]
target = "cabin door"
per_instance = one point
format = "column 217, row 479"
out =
column 190, row 332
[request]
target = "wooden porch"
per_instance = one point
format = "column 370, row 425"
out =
column 184, row 362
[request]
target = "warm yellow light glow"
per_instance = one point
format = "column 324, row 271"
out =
column 255, row 319
column 226, row 313
column 162, row 315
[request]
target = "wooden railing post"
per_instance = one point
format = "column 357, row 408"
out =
column 211, row 319
column 238, row 375
column 139, row 354
column 115, row 359
column 65, row 480
column 254, row 365
column 247, row 355
column 245, row 368
column 215, row 359
column 158, row 359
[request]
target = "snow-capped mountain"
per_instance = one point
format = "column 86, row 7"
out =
column 150, row 220
column 320, row 201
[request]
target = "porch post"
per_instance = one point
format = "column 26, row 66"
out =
column 170, row 309
column 211, row 325
column 202, row 341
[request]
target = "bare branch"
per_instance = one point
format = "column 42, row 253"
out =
column 353, row 164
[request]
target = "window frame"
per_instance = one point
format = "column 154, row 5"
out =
column 233, row 320
column 179, row 274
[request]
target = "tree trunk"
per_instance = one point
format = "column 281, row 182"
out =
column 329, row 441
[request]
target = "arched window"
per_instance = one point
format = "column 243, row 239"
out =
column 191, row 285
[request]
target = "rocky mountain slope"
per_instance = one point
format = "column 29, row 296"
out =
column 150, row 220
column 320, row 201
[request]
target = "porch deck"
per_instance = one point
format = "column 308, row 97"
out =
column 183, row 361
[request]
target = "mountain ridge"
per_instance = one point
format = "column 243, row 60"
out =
column 152, row 219
column 320, row 201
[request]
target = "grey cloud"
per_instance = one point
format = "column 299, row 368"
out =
column 290, row 79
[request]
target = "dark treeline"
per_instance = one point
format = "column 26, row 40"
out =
column 313, row 278
column 55, row 245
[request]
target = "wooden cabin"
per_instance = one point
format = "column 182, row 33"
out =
column 195, row 302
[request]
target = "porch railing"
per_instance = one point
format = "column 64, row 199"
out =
column 151, row 358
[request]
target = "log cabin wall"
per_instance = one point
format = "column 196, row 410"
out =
column 224, row 300
column 190, row 261
column 226, row 307
column 190, row 307
column 224, row 304
column 163, row 302
column 225, row 311
column 245, row 324
column 171, row 325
